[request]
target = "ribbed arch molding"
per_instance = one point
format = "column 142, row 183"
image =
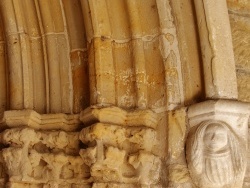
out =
column 46, row 56
column 134, row 59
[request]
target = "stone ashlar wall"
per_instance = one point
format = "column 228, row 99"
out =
column 239, row 12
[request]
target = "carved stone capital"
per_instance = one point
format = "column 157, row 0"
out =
column 42, row 157
column 32, row 119
column 41, row 150
column 217, row 143
column 120, row 147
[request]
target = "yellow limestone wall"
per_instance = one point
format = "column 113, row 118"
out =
column 239, row 11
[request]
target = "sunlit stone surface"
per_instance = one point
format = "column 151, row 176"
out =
column 124, row 93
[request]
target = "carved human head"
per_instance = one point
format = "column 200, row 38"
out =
column 214, row 155
column 215, row 137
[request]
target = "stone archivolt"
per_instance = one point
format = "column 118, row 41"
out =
column 103, row 93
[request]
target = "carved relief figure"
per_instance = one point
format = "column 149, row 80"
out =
column 214, row 155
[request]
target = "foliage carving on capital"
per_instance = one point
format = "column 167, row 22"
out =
column 121, row 146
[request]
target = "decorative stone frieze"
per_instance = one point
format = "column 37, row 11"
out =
column 116, row 115
column 217, row 143
column 30, row 118
column 35, row 155
column 42, row 141
column 121, row 147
